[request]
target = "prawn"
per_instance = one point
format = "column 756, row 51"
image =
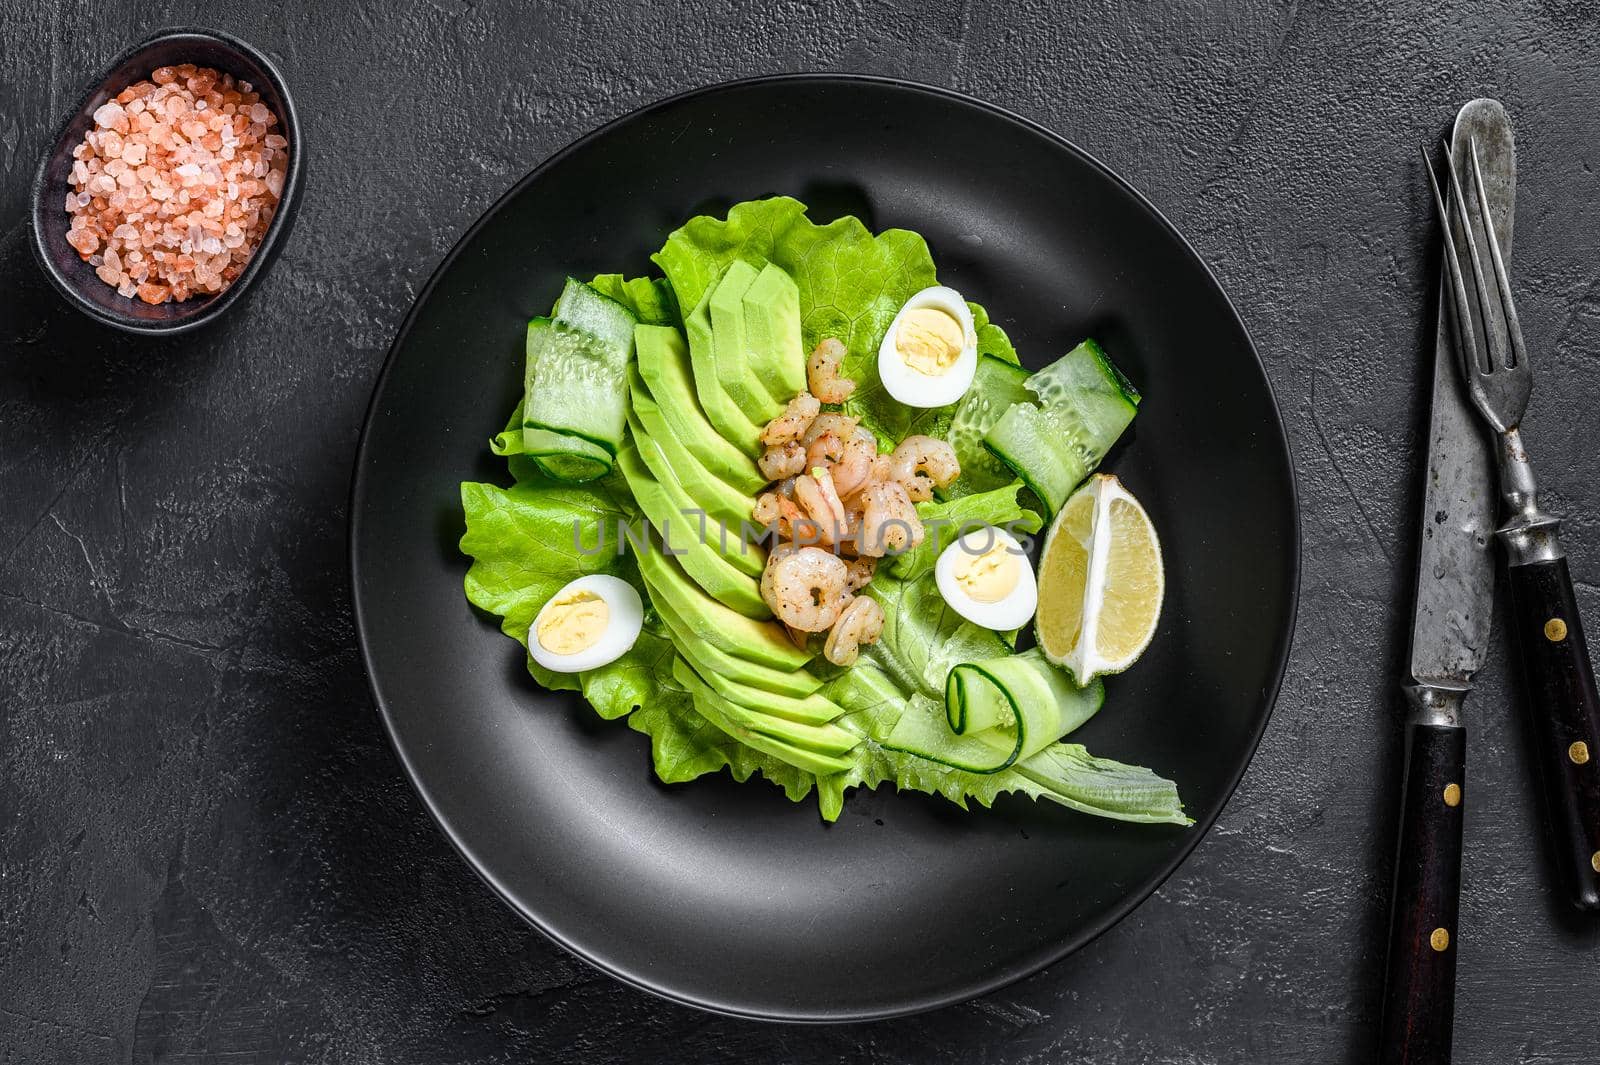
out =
column 777, row 512
column 858, row 572
column 923, row 463
column 804, row 586
column 816, row 496
column 889, row 522
column 782, row 460
column 841, row 425
column 793, row 422
column 822, row 372
column 768, row 508
column 860, row 622
column 848, row 460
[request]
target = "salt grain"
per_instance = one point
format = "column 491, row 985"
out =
column 176, row 184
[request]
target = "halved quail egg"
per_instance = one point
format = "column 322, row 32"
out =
column 930, row 352
column 590, row 622
column 986, row 577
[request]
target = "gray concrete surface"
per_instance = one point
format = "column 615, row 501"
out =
column 207, row 850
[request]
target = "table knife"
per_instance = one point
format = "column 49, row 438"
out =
column 1450, row 632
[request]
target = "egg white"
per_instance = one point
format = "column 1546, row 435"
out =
column 1019, row 604
column 622, row 626
column 917, row 389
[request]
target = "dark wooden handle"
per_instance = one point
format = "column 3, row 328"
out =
column 1566, row 719
column 1419, row 993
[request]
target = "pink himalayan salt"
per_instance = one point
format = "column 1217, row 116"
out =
column 176, row 184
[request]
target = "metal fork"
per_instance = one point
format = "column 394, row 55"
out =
column 1555, row 659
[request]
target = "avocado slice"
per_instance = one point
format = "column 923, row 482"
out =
column 736, row 367
column 663, row 362
column 721, row 580
column 721, row 501
column 819, row 749
column 721, row 409
column 710, row 660
column 814, row 710
column 772, row 332
column 711, row 623
column 691, row 522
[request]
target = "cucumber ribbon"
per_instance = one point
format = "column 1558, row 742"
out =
column 997, row 712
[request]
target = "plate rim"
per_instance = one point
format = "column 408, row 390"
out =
column 1003, row 976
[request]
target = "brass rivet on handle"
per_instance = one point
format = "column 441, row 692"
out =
column 1452, row 794
column 1594, row 860
column 1440, row 940
column 1555, row 630
column 1578, row 752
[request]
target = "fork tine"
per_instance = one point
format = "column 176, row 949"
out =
column 1507, row 306
column 1464, row 331
column 1494, row 349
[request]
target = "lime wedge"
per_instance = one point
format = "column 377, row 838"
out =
column 1100, row 581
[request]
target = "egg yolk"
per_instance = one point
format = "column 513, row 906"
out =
column 988, row 577
column 573, row 622
column 929, row 341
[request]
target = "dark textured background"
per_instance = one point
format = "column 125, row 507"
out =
column 207, row 851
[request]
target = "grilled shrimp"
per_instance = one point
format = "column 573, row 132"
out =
column 793, row 422
column 848, row 460
column 780, row 514
column 782, row 460
column 860, row 622
column 921, row 464
column 841, row 425
column 822, row 372
column 768, row 508
column 816, row 497
column 804, row 586
column 889, row 522
column 858, row 572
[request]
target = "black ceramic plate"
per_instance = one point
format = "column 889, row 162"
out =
column 726, row 895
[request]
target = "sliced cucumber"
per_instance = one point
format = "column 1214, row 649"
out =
column 582, row 308
column 1084, row 405
column 576, row 382
column 508, row 441
column 566, row 458
column 996, row 712
column 996, row 385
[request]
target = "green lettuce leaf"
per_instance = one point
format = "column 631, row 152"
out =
column 852, row 283
column 1064, row 773
column 649, row 298
column 992, row 340
column 945, row 520
column 684, row 745
column 923, row 636
column 529, row 540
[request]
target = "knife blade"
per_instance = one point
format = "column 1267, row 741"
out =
column 1450, row 630
column 1455, row 561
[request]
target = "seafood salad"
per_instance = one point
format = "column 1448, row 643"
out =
column 781, row 508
